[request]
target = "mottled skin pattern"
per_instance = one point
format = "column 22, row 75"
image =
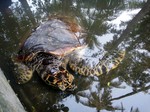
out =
column 52, row 47
column 49, row 68
column 102, row 67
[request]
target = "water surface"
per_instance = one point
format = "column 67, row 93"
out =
column 125, row 89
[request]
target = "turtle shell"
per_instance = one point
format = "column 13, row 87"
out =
column 53, row 36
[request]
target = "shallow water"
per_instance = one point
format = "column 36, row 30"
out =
column 125, row 89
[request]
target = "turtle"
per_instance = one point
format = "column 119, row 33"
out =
column 51, row 49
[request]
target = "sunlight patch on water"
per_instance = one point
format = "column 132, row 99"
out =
column 143, row 51
column 32, row 7
column 123, row 17
column 137, row 100
column 89, row 12
column 105, row 38
column 116, row 92
column 91, row 56
column 76, row 107
column 147, row 71
column 14, row 0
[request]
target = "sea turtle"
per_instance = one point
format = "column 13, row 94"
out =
column 51, row 49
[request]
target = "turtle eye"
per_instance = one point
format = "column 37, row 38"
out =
column 61, row 68
column 54, row 70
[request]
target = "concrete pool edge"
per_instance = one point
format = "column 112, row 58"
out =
column 9, row 102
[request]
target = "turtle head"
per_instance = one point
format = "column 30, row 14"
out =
column 60, row 79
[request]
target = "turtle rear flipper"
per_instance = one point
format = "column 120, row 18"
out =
column 23, row 73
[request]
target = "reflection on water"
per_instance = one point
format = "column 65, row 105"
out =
column 123, row 89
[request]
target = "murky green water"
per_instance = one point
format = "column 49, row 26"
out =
column 125, row 89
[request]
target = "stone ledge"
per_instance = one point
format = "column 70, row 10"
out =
column 9, row 102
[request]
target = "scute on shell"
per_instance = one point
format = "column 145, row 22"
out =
column 53, row 36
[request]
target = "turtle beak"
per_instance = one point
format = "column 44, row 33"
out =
column 66, row 81
column 62, row 87
column 60, row 79
column 70, row 88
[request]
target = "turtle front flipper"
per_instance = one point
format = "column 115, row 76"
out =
column 23, row 73
column 108, row 62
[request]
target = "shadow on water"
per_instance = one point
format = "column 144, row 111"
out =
column 111, row 92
